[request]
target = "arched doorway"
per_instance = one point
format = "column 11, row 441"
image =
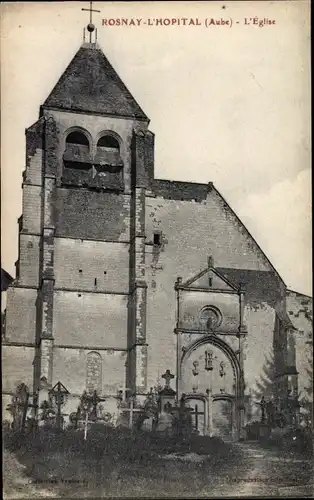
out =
column 223, row 416
column 209, row 376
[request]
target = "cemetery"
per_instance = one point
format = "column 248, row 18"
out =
column 160, row 413
column 92, row 445
column 108, row 451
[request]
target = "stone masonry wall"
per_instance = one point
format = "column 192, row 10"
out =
column 78, row 263
column 17, row 367
column 300, row 311
column 70, row 367
column 31, row 206
column 81, row 213
column 258, row 348
column 29, row 252
column 21, row 315
column 90, row 319
column 190, row 232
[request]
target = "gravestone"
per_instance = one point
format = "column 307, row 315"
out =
column 166, row 395
column 165, row 423
column 148, row 424
column 48, row 416
column 148, row 415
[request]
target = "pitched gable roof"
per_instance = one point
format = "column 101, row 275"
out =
column 90, row 84
column 219, row 281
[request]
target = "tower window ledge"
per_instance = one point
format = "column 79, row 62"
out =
column 77, row 153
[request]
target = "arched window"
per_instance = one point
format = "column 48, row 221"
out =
column 78, row 138
column 210, row 318
column 76, row 156
column 108, row 153
column 108, row 141
column 93, row 372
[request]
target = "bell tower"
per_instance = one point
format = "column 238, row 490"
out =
column 90, row 163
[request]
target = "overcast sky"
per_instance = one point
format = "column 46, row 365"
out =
column 227, row 105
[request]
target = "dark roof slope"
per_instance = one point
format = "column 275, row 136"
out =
column 258, row 284
column 180, row 190
column 6, row 279
column 90, row 84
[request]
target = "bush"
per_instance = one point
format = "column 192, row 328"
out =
column 118, row 443
column 291, row 440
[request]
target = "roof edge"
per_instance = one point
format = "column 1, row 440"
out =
column 202, row 273
column 44, row 107
column 250, row 235
column 289, row 290
column 208, row 184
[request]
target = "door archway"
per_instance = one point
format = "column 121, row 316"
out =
column 210, row 368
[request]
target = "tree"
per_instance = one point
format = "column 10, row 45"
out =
column 266, row 386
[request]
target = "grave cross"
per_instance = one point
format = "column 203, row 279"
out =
column 167, row 376
column 131, row 411
column 86, row 403
column 95, row 399
column 59, row 394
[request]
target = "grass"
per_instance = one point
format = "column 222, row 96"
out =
column 115, row 462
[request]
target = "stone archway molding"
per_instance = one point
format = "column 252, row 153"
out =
column 223, row 346
column 235, row 399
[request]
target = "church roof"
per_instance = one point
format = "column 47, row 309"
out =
column 256, row 283
column 90, row 84
column 188, row 191
column 6, row 279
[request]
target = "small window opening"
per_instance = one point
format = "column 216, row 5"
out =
column 157, row 239
column 105, row 272
column 77, row 137
column 210, row 281
column 95, row 281
column 79, row 295
column 107, row 141
column 80, row 271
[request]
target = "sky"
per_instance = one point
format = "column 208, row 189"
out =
column 228, row 104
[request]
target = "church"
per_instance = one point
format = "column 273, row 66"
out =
column 124, row 279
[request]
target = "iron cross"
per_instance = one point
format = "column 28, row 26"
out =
column 91, row 10
column 90, row 26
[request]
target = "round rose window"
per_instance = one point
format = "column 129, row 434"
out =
column 210, row 318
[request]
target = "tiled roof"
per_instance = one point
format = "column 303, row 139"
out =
column 257, row 284
column 90, row 84
column 179, row 190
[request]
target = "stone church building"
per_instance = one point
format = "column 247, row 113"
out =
column 122, row 276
